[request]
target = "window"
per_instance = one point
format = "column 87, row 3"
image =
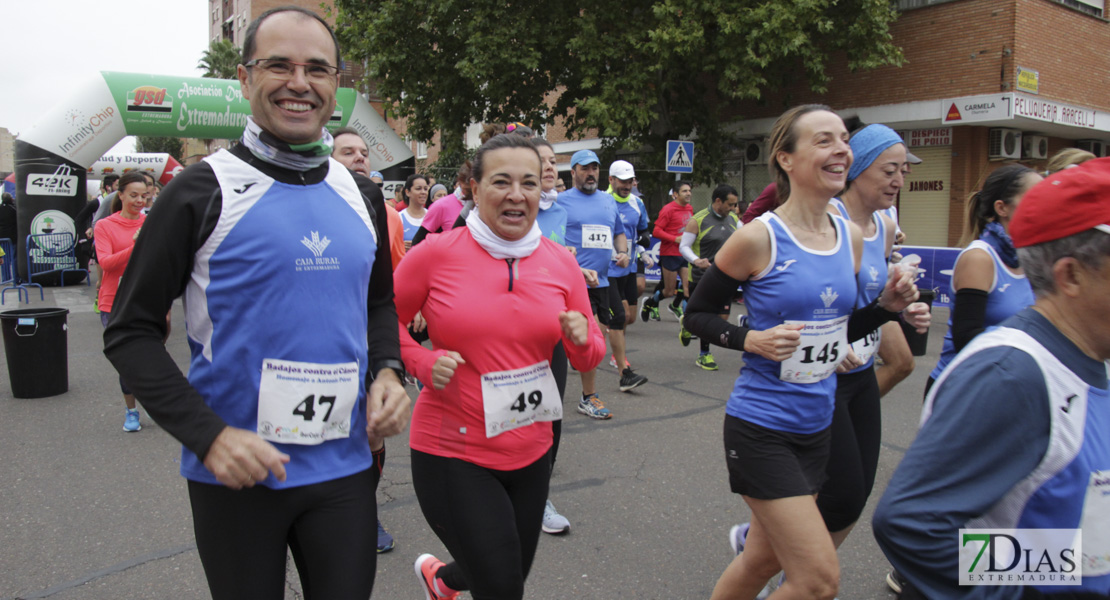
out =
column 421, row 150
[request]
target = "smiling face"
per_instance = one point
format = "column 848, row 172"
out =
column 133, row 200
column 878, row 185
column 821, row 157
column 682, row 194
column 351, row 151
column 508, row 196
column 623, row 187
column 418, row 193
column 550, row 170
column 293, row 108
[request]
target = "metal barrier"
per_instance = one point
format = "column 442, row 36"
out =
column 10, row 274
column 52, row 253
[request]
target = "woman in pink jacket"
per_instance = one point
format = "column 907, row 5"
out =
column 497, row 296
column 115, row 237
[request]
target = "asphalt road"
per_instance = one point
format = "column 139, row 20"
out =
column 88, row 511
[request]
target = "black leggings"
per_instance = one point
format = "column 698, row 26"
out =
column 559, row 370
column 330, row 527
column 854, row 452
column 488, row 520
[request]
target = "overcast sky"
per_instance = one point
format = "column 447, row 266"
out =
column 49, row 44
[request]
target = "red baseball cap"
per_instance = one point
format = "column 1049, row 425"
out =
column 1066, row 203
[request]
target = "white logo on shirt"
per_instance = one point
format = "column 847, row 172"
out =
column 321, row 263
column 874, row 273
column 829, row 296
column 316, row 244
column 1003, row 288
column 786, row 264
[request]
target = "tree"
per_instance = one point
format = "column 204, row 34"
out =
column 169, row 145
column 640, row 72
column 219, row 60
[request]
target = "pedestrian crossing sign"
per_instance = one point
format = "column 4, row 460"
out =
column 680, row 156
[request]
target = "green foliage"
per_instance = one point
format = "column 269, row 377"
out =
column 169, row 145
column 220, row 60
column 639, row 72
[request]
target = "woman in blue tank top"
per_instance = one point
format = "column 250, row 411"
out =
column 798, row 267
column 987, row 281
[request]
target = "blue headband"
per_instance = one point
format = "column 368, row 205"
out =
column 867, row 144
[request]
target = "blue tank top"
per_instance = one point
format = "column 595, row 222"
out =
column 410, row 224
column 304, row 254
column 1007, row 295
column 1068, row 489
column 553, row 223
column 631, row 216
column 871, row 279
column 798, row 284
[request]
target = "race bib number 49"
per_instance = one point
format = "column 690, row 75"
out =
column 520, row 397
column 306, row 403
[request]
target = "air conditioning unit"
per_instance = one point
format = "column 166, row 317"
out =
column 1034, row 146
column 755, row 152
column 1096, row 147
column 1004, row 144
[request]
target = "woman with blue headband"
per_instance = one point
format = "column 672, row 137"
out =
column 874, row 181
column 798, row 267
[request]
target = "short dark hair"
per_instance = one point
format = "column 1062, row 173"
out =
column 723, row 191
column 252, row 30
column 681, row 182
column 500, row 142
column 108, row 180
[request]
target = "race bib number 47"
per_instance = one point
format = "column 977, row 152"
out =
column 306, row 403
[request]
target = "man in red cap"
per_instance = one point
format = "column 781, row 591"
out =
column 1014, row 437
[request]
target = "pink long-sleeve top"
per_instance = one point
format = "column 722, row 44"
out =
column 114, row 237
column 499, row 317
column 442, row 213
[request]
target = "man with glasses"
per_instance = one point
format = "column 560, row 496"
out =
column 295, row 370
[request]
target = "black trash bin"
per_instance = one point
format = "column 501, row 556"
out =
column 919, row 341
column 37, row 349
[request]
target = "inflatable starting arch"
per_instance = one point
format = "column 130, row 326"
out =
column 53, row 158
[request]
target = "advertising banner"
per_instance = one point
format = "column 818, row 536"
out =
column 55, row 157
column 159, row 164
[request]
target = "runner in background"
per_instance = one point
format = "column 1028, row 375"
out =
column 704, row 235
column 669, row 226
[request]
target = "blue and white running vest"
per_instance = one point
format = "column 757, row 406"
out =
column 1070, row 487
column 276, row 316
column 871, row 279
column 798, row 285
column 1007, row 295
